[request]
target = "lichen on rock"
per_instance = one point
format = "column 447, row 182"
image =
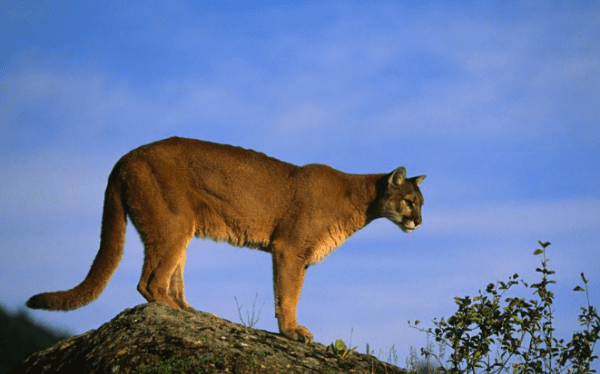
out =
column 152, row 336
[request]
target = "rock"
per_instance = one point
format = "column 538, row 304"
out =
column 190, row 342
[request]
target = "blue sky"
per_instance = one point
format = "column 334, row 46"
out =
column 496, row 102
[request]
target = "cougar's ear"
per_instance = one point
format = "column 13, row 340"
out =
column 398, row 176
column 420, row 179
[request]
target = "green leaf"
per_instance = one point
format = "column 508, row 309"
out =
column 583, row 278
column 537, row 252
column 545, row 244
column 578, row 288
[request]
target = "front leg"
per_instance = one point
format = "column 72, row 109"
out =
column 288, row 276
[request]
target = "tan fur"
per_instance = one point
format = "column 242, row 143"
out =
column 175, row 189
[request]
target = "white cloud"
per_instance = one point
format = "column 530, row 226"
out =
column 48, row 184
column 72, row 100
column 496, row 87
column 558, row 217
column 508, row 78
column 78, row 103
column 22, row 11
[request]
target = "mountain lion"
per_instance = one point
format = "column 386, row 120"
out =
column 178, row 188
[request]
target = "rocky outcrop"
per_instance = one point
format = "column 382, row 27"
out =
column 151, row 338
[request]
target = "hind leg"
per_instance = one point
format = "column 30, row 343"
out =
column 176, row 286
column 165, row 223
column 162, row 274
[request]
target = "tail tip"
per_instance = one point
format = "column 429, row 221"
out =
column 35, row 302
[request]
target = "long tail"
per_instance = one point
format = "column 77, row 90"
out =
column 112, row 240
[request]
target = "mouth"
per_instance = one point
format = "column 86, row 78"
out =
column 408, row 227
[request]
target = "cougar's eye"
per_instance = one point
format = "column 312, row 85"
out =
column 408, row 203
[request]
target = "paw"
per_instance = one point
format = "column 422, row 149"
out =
column 185, row 306
column 299, row 333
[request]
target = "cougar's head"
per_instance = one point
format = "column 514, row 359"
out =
column 401, row 200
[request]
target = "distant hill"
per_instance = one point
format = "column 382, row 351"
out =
column 21, row 337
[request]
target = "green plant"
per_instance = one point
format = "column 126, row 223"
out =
column 392, row 354
column 251, row 318
column 340, row 349
column 521, row 330
column 425, row 365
